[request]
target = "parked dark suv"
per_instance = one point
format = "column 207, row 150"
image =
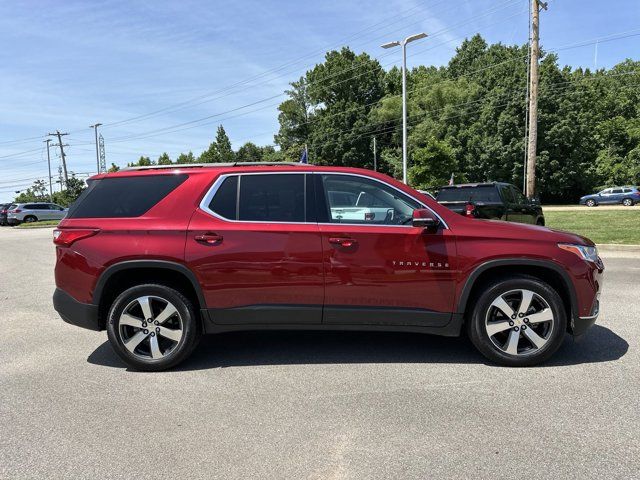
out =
column 158, row 256
column 493, row 200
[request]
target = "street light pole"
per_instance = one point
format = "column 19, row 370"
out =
column 95, row 130
column 403, row 44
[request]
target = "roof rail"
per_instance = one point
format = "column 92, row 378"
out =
column 219, row 165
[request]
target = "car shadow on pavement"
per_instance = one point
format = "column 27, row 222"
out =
column 307, row 347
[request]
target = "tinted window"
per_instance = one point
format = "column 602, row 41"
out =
column 507, row 194
column 360, row 200
column 627, row 190
column 123, row 196
column 272, row 198
column 616, row 190
column 518, row 196
column 225, row 200
column 32, row 206
column 487, row 193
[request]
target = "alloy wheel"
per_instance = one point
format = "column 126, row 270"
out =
column 150, row 327
column 519, row 322
column 627, row 202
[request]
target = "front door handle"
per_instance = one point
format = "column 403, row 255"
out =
column 342, row 241
column 209, row 239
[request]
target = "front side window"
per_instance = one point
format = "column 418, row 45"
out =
column 359, row 200
column 518, row 196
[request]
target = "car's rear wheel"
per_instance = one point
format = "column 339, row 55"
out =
column 518, row 321
column 30, row 219
column 152, row 327
column 627, row 202
column 590, row 203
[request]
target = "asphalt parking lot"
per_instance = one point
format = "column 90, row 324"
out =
column 310, row 405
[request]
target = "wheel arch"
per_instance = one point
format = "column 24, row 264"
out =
column 547, row 271
column 120, row 276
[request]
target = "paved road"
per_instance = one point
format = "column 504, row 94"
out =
column 309, row 405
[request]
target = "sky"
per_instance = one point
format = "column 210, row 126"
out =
column 162, row 75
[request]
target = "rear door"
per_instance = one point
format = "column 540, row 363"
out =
column 382, row 271
column 616, row 195
column 254, row 245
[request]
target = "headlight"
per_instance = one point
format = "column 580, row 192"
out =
column 590, row 254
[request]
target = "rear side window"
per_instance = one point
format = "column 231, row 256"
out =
column 487, row 194
column 272, row 198
column 124, row 196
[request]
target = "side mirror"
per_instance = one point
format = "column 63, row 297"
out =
column 424, row 218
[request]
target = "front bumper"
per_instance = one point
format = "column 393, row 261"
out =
column 83, row 315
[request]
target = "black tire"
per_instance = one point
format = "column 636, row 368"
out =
column 477, row 329
column 185, row 314
column 627, row 202
column 540, row 222
column 591, row 203
column 30, row 219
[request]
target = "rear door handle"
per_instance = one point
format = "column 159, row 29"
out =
column 209, row 239
column 342, row 241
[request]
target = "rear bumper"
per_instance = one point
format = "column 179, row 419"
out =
column 83, row 315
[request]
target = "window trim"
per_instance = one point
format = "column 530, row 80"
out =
column 206, row 199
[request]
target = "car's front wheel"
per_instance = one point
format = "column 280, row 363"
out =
column 518, row 321
column 152, row 327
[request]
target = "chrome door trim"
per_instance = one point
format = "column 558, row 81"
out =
column 206, row 199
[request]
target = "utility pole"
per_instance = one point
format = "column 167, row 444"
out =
column 47, row 141
column 536, row 5
column 375, row 156
column 95, row 131
column 64, row 161
column 403, row 44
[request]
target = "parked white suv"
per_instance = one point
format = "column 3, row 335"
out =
column 33, row 212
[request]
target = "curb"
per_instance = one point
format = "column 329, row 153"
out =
column 615, row 247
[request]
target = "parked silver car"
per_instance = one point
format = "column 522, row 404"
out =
column 34, row 212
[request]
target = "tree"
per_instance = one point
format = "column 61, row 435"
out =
column 223, row 145
column 142, row 162
column 113, row 168
column 75, row 187
column 164, row 159
column 37, row 192
column 186, row 158
column 249, row 152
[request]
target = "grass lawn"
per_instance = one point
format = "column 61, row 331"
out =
column 601, row 226
column 44, row 223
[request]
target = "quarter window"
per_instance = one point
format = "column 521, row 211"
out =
column 225, row 201
column 359, row 200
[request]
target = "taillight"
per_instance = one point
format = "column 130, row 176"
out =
column 17, row 210
column 65, row 238
column 469, row 210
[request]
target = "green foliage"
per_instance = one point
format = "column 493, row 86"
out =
column 113, row 168
column 186, row 158
column 39, row 192
column 223, row 146
column 249, row 152
column 164, row 159
column 465, row 118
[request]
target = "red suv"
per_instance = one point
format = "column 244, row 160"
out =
column 158, row 256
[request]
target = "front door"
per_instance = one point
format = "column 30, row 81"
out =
column 254, row 246
column 379, row 269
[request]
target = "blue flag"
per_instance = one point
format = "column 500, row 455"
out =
column 304, row 157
